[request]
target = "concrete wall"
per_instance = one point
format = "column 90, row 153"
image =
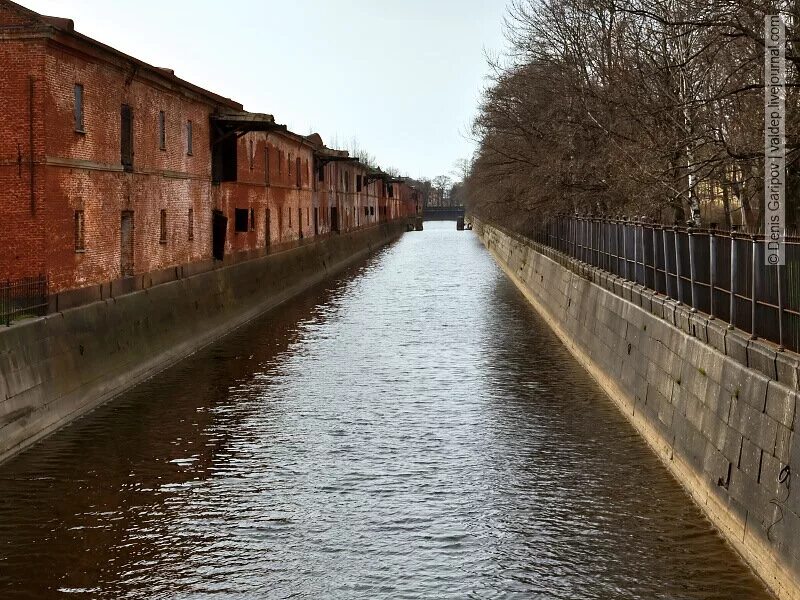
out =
column 718, row 408
column 55, row 368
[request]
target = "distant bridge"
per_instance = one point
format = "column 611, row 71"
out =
column 443, row 213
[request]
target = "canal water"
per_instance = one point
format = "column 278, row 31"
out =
column 409, row 430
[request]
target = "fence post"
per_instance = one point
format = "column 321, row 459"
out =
column 655, row 259
column 712, row 240
column 666, row 261
column 678, row 265
column 692, row 270
column 753, row 283
column 734, row 279
column 781, row 347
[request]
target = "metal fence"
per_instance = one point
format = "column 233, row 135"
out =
column 720, row 273
column 23, row 298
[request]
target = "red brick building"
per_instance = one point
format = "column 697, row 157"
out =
column 110, row 167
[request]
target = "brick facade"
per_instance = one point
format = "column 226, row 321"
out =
column 67, row 194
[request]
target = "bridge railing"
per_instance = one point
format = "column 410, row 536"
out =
column 720, row 273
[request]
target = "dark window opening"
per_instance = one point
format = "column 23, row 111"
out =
column 289, row 211
column 280, row 162
column 251, row 155
column 300, row 221
column 162, row 130
column 252, row 219
column 266, row 164
column 189, row 138
column 224, row 159
column 240, row 220
column 267, row 229
column 391, row 191
column 372, row 211
column 321, row 172
column 334, row 220
column 358, row 183
column 299, row 173
column 219, row 231
column 126, row 139
column 366, row 211
column 346, row 181
column 289, row 166
column 80, row 240
column 163, row 234
column 78, row 108
column 191, row 224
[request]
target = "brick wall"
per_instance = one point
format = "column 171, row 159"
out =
column 82, row 170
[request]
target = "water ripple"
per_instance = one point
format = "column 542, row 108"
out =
column 410, row 430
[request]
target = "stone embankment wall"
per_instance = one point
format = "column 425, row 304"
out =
column 717, row 407
column 56, row 368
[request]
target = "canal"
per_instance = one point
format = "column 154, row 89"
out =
column 411, row 429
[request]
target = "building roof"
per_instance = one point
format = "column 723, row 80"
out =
column 63, row 31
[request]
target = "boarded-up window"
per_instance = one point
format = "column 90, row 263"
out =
column 299, row 173
column 191, row 224
column 80, row 240
column 78, row 108
column 163, row 233
column 126, row 137
column 189, row 138
column 162, row 130
column 240, row 221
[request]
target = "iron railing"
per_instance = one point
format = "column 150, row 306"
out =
column 720, row 273
column 23, row 298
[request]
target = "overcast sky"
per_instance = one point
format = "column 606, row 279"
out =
column 403, row 77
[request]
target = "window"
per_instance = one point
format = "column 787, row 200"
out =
column 162, row 130
column 299, row 173
column 252, row 219
column 191, row 224
column 266, row 164
column 280, row 162
column 346, row 181
column 163, row 237
column 78, row 108
column 126, row 137
column 241, row 220
column 391, row 190
column 224, row 159
column 366, row 211
column 251, row 155
column 372, row 211
column 321, row 171
column 289, row 210
column 358, row 183
column 80, row 240
column 289, row 166
column 189, row 138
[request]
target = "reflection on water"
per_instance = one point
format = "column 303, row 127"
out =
column 410, row 430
